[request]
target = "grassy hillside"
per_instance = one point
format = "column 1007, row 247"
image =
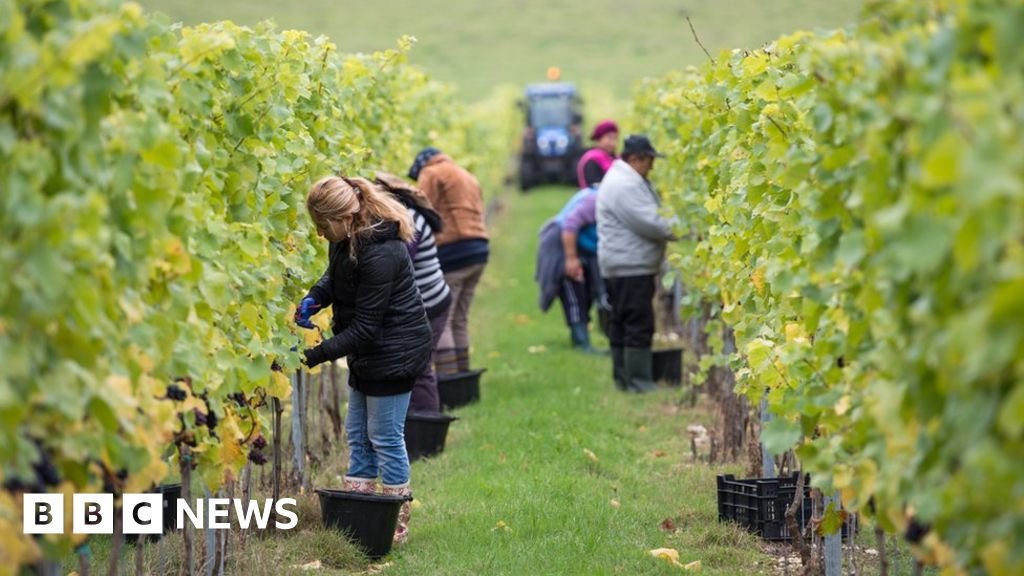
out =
column 478, row 45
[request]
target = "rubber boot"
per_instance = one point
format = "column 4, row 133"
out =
column 361, row 485
column 402, row 529
column 619, row 368
column 639, row 369
column 580, row 336
column 462, row 359
column 445, row 363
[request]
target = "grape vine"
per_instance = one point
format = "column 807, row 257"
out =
column 853, row 204
column 154, row 234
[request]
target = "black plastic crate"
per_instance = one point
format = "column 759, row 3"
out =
column 426, row 434
column 457, row 390
column 667, row 366
column 759, row 504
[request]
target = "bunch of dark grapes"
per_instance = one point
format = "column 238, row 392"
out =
column 174, row 392
column 256, row 455
column 46, row 475
column 916, row 531
column 239, row 398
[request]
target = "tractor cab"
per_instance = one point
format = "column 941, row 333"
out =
column 551, row 138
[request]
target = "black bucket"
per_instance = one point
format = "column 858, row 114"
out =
column 425, row 434
column 368, row 520
column 171, row 493
column 667, row 366
column 459, row 389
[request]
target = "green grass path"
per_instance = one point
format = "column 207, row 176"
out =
column 516, row 493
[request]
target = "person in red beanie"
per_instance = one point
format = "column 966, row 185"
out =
column 596, row 161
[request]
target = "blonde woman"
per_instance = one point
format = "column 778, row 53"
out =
column 379, row 325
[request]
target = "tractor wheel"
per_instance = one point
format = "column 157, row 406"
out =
column 527, row 176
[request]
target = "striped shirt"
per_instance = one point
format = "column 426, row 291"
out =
column 429, row 278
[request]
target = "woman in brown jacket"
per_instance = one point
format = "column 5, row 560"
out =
column 462, row 246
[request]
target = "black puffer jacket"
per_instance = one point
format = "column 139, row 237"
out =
column 379, row 321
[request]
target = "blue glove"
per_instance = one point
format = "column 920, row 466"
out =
column 307, row 308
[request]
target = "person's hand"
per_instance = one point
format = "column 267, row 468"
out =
column 308, row 357
column 307, row 308
column 574, row 269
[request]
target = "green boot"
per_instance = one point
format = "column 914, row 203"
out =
column 639, row 369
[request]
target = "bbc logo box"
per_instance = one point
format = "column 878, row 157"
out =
column 92, row 513
column 144, row 513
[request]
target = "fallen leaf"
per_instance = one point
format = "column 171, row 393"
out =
column 590, row 455
column 314, row 565
column 376, row 568
column 615, row 503
column 537, row 349
column 522, row 319
column 416, row 504
column 501, row 526
column 668, row 525
column 670, row 555
column 659, row 454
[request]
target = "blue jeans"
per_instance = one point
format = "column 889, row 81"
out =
column 376, row 437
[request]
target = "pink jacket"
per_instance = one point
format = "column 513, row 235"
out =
column 598, row 155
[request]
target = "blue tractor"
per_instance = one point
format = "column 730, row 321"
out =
column 551, row 139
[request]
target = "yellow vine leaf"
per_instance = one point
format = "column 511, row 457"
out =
column 177, row 256
column 231, row 451
column 311, row 338
column 757, row 279
column 322, row 320
column 280, row 385
column 795, row 332
column 15, row 547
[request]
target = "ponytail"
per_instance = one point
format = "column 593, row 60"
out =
column 333, row 197
column 375, row 207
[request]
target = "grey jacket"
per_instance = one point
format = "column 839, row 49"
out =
column 550, row 264
column 631, row 232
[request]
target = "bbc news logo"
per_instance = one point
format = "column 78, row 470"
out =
column 144, row 513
